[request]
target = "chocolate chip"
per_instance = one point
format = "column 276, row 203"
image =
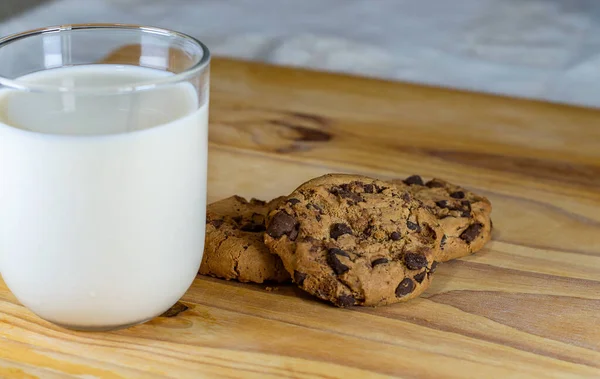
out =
column 443, row 243
column 471, row 233
column 491, row 224
column 420, row 276
column 433, row 267
column 368, row 188
column 464, row 205
column 336, row 251
column 318, row 217
column 216, row 223
column 293, row 201
column 368, row 230
column 333, row 261
column 458, row 195
column 415, row 261
column 379, row 189
column 282, row 223
column 405, row 287
column 253, row 228
column 395, row 236
column 299, row 277
column 433, row 183
column 379, row 261
column 344, row 192
column 338, row 230
column 414, row 180
column 293, row 234
column 237, row 219
column 405, row 196
column 346, row 300
column 429, row 232
column 442, row 203
column 466, row 208
column 413, row 226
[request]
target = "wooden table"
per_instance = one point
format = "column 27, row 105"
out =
column 528, row 305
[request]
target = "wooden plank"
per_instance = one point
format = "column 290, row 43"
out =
column 526, row 306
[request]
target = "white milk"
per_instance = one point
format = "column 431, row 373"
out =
column 99, row 227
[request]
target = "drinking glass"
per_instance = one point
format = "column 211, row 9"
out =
column 103, row 160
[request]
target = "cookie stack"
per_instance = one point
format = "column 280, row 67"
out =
column 347, row 239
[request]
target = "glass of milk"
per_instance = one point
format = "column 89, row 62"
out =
column 103, row 159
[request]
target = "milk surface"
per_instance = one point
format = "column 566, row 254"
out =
column 102, row 197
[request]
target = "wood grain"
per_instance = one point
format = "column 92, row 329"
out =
column 527, row 306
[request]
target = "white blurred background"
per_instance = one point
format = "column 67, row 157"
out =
column 544, row 49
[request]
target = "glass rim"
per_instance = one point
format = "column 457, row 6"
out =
column 17, row 84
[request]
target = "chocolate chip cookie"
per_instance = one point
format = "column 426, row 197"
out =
column 463, row 215
column 353, row 240
column 234, row 242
